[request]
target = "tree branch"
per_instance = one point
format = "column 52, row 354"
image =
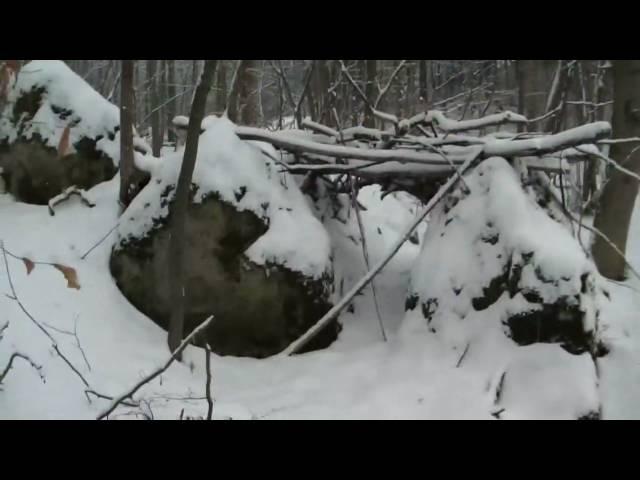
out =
column 364, row 281
column 129, row 393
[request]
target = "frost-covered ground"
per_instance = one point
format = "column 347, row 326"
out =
column 359, row 376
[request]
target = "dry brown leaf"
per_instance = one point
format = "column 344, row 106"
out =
column 70, row 275
column 8, row 68
column 4, row 82
column 63, row 146
column 29, row 264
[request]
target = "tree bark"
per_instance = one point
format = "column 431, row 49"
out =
column 171, row 105
column 127, row 112
column 249, row 97
column 178, row 208
column 619, row 195
column 156, row 138
column 370, row 89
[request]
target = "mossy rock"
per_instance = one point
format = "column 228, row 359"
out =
column 34, row 173
column 259, row 310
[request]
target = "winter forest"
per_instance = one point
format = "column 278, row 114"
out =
column 319, row 239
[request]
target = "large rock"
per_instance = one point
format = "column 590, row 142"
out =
column 501, row 279
column 46, row 99
column 256, row 257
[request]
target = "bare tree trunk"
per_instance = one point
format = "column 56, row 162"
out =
column 221, row 88
column 156, row 139
column 249, row 97
column 425, row 83
column 232, row 97
column 178, row 209
column 370, row 91
column 127, row 111
column 410, row 91
column 619, row 195
column 171, row 93
column 557, row 97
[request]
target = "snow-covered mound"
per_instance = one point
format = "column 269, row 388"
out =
column 57, row 131
column 497, row 273
column 257, row 258
column 243, row 177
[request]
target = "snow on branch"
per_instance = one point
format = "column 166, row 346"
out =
column 439, row 120
column 299, row 145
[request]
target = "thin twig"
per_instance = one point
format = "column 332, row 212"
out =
column 99, row 242
column 464, row 354
column 129, row 393
column 54, row 345
column 384, row 90
column 107, row 397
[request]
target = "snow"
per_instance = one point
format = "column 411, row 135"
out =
column 412, row 376
column 242, row 176
column 468, row 246
column 92, row 115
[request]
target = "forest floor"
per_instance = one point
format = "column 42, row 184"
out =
column 359, row 376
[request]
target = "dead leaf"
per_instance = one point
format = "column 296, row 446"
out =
column 4, row 82
column 29, row 264
column 63, row 146
column 9, row 68
column 70, row 275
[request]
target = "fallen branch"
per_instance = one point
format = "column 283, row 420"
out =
column 107, row 397
column 129, row 393
column 364, row 281
column 99, row 242
column 73, row 190
column 464, row 354
column 612, row 162
column 14, row 355
column 75, row 335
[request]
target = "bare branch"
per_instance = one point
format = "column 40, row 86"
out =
column 54, row 345
column 73, row 190
column 384, row 90
column 14, row 355
column 176, row 353
column 364, row 281
column 99, row 242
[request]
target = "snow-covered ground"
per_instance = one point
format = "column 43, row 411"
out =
column 359, row 376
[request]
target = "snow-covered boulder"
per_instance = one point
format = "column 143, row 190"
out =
column 257, row 259
column 46, row 103
column 498, row 277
